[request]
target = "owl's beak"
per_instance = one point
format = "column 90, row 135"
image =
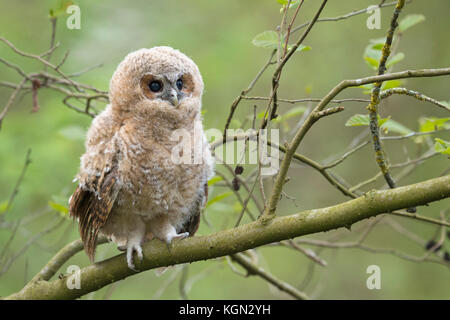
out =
column 173, row 98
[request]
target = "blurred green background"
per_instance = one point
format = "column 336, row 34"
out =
column 218, row 35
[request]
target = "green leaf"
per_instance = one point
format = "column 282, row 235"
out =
column 378, row 43
column 431, row 124
column 409, row 21
column 3, row 206
column 383, row 121
column 358, row 120
column 386, row 85
column 300, row 48
column 363, row 120
column 214, row 180
column 59, row 208
column 386, row 124
column 269, row 39
column 73, row 133
column 372, row 57
column 373, row 63
column 367, row 88
column 261, row 115
column 395, row 59
column 442, row 146
column 266, row 39
column 394, row 126
column 61, row 9
column 219, row 198
column 391, row 84
column 294, row 4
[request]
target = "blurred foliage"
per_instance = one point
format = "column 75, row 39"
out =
column 218, row 35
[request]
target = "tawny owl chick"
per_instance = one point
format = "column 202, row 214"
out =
column 130, row 187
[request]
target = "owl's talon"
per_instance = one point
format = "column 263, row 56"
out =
column 180, row 236
column 134, row 247
column 169, row 238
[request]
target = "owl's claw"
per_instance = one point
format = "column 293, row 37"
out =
column 133, row 247
column 169, row 238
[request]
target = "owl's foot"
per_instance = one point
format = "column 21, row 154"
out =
column 171, row 236
column 162, row 229
column 133, row 246
column 180, row 236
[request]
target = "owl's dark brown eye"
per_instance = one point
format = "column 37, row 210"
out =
column 155, row 86
column 179, row 84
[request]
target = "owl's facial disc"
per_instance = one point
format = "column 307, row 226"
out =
column 172, row 88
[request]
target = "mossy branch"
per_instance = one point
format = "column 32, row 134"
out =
column 375, row 98
column 252, row 235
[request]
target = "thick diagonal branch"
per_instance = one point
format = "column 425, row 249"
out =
column 255, row 234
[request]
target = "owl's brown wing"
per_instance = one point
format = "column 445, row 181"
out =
column 92, row 205
column 192, row 224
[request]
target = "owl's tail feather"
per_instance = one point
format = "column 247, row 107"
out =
column 92, row 208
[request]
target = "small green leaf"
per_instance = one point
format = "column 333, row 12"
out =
column 363, row 120
column 394, row 126
column 395, row 59
column 300, row 48
column 219, row 198
column 3, row 206
column 260, row 115
column 269, row 39
column 409, row 21
column 367, row 88
column 214, row 180
column 294, row 4
column 358, row 120
column 391, row 84
column 61, row 9
column 372, row 57
column 373, row 63
column 378, row 43
column 442, row 146
column 432, row 124
column 59, row 208
column 266, row 39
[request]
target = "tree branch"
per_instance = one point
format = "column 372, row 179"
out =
column 312, row 118
column 258, row 233
column 253, row 269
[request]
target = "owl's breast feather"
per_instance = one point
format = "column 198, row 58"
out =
column 153, row 183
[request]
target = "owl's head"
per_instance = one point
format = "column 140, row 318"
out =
column 158, row 79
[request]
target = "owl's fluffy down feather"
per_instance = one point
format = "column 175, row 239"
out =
column 129, row 188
